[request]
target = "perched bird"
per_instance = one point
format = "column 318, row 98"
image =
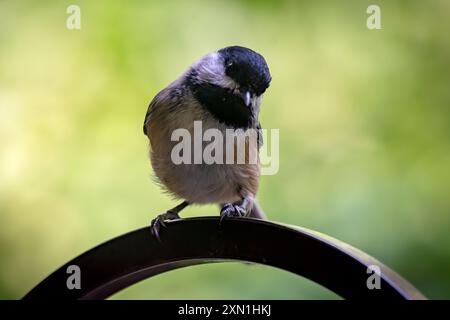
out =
column 223, row 90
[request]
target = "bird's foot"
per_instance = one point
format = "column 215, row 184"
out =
column 232, row 210
column 160, row 221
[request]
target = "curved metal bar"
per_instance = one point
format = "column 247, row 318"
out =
column 123, row 261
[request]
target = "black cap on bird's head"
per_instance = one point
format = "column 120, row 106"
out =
column 247, row 68
column 230, row 83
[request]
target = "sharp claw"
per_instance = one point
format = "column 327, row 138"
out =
column 156, row 234
column 231, row 210
column 155, row 230
column 241, row 211
column 160, row 221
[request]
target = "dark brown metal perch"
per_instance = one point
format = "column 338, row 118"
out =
column 123, row 261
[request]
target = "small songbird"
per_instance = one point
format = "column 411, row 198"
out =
column 223, row 90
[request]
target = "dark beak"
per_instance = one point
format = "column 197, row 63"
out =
column 247, row 97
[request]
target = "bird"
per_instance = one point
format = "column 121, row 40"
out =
column 223, row 90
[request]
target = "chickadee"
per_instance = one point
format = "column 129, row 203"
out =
column 223, row 90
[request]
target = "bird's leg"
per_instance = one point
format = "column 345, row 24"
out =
column 169, row 215
column 237, row 209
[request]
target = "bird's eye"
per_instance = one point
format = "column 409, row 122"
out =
column 229, row 64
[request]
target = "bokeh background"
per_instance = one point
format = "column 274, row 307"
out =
column 363, row 115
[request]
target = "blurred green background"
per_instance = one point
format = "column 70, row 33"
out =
column 363, row 115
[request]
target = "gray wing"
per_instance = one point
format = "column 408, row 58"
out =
column 169, row 98
column 157, row 100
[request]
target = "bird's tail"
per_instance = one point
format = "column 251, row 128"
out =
column 256, row 212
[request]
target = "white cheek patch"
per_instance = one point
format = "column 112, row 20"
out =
column 211, row 70
column 228, row 83
column 256, row 103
